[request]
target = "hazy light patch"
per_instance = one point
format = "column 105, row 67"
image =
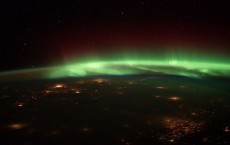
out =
column 59, row 86
column 174, row 98
column 17, row 126
column 160, row 87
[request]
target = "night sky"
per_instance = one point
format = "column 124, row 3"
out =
column 38, row 33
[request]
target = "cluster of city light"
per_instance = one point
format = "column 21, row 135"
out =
column 180, row 127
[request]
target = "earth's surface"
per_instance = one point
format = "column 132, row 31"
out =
column 116, row 110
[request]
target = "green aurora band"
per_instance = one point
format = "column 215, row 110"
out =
column 183, row 65
column 193, row 69
column 180, row 64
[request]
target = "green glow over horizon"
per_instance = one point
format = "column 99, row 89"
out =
column 129, row 64
column 132, row 63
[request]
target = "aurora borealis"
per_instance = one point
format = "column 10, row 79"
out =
column 131, row 67
column 189, row 64
column 145, row 64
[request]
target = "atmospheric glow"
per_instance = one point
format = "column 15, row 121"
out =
column 134, row 66
column 181, row 64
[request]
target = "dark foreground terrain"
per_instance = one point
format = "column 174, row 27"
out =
column 116, row 110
